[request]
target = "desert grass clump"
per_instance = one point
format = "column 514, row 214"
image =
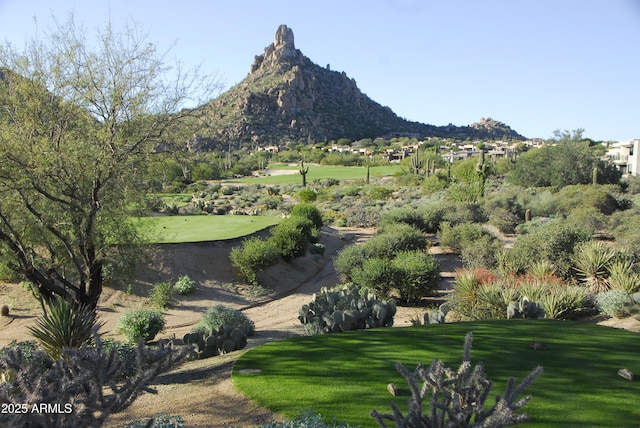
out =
column 442, row 397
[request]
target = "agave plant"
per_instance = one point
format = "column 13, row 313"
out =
column 592, row 261
column 64, row 324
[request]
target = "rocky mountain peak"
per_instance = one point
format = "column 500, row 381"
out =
column 281, row 52
column 287, row 97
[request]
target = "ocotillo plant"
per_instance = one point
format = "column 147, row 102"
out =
column 303, row 171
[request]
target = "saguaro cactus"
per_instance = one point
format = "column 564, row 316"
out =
column 416, row 163
column 303, row 171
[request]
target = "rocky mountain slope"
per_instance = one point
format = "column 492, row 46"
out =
column 287, row 97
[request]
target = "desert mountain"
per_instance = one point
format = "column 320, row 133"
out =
column 287, row 97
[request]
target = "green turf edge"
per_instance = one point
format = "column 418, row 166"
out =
column 201, row 228
column 321, row 172
column 345, row 375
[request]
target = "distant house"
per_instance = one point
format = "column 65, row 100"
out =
column 626, row 156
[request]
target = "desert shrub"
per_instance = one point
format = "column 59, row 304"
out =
column 344, row 308
column 252, row 256
column 6, row 273
column 447, row 397
column 348, row 259
column 542, row 203
column 362, row 215
column 417, row 275
column 614, row 303
column 553, row 241
column 409, row 216
column 309, row 212
column 460, row 235
column 457, row 213
column 577, row 196
column 480, row 252
column 379, row 192
column 394, row 238
column 306, row 195
column 184, row 285
column 435, row 182
column 432, row 216
column 625, row 228
column 375, row 274
column 504, row 209
column 307, row 419
column 589, row 217
column 219, row 316
column 64, row 324
column 161, row 295
column 140, row 324
column 160, row 420
column 292, row 236
column 125, row 353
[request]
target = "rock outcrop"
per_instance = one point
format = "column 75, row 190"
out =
column 286, row 97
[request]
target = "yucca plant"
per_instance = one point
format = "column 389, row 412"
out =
column 64, row 324
column 507, row 263
column 592, row 261
column 542, row 269
column 623, row 276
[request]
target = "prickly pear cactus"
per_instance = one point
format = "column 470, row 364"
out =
column 524, row 309
column 345, row 308
column 221, row 341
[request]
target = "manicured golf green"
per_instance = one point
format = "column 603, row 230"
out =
column 201, row 228
column 345, row 375
column 322, row 172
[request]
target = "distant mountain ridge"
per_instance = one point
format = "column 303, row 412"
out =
column 287, row 97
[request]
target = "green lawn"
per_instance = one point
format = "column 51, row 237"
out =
column 201, row 228
column 321, row 172
column 345, row 375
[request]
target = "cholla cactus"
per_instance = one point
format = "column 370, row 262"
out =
column 79, row 390
column 457, row 397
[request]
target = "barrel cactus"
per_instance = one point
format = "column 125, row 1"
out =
column 345, row 308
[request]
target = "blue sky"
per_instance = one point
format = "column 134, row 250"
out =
column 536, row 65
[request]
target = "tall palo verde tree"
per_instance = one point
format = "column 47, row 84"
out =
column 77, row 121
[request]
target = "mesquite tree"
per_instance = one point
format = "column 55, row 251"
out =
column 77, row 120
